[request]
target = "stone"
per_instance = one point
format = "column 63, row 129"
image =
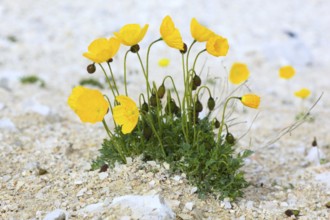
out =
column 6, row 123
column 144, row 207
column 103, row 175
column 92, row 208
column 57, row 214
column 189, row 206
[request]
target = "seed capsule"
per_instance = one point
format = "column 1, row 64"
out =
column 135, row 48
column 198, row 106
column 91, row 68
column 197, row 81
column 153, row 100
column 145, row 107
column 216, row 123
column 230, row 138
column 170, row 107
column 161, row 91
column 211, row 103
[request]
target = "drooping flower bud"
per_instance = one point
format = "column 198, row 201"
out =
column 91, row 68
column 110, row 60
column 161, row 91
column 153, row 100
column 170, row 107
column 211, row 103
column 216, row 123
column 135, row 48
column 197, row 81
column 198, row 106
column 145, row 107
column 184, row 49
column 177, row 111
column 230, row 138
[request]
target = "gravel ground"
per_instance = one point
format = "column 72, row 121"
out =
column 46, row 151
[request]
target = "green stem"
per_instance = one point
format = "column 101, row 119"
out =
column 108, row 80
column 184, row 117
column 223, row 118
column 145, row 75
column 113, row 78
column 125, row 81
column 175, row 90
column 187, row 61
column 197, row 58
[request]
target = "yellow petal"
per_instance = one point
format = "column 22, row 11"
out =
column 170, row 34
column 250, row 100
column 286, row 72
column 167, row 27
column 164, row 62
column 303, row 93
column 217, row 46
column 238, row 73
column 199, row 32
column 131, row 34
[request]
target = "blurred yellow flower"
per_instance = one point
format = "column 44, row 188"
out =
column 88, row 104
column 126, row 114
column 286, row 72
column 303, row 93
column 239, row 73
column 131, row 34
column 199, row 32
column 163, row 62
column 102, row 49
column 217, row 46
column 250, row 100
column 170, row 34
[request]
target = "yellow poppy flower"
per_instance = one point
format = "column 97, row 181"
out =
column 250, row 100
column 199, row 32
column 126, row 114
column 88, row 104
column 170, row 34
column 102, row 49
column 164, row 62
column 131, row 34
column 286, row 72
column 217, row 46
column 239, row 73
column 303, row 93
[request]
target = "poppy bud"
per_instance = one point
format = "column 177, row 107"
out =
column 211, row 103
column 110, row 60
column 194, row 87
column 197, row 81
column 184, row 49
column 135, row 48
column 177, row 111
column 91, row 68
column 145, row 107
column 230, row 138
column 198, row 106
column 216, row 123
column 147, row 132
column 170, row 107
column 161, row 91
column 153, row 100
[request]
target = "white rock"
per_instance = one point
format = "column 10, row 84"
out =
column 103, row 175
column 193, row 190
column 177, row 178
column 78, row 182
column 152, row 183
column 81, row 192
column 189, row 206
column 284, row 204
column 226, row 203
column 57, row 214
column 249, row 204
column 34, row 106
column 166, row 166
column 152, row 163
column 6, row 123
column 129, row 160
column 144, row 207
column 97, row 207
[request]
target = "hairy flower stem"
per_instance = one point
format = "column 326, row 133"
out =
column 223, row 118
column 125, row 80
column 145, row 75
column 147, row 61
column 113, row 78
column 108, row 80
column 184, row 116
column 175, row 90
column 197, row 58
